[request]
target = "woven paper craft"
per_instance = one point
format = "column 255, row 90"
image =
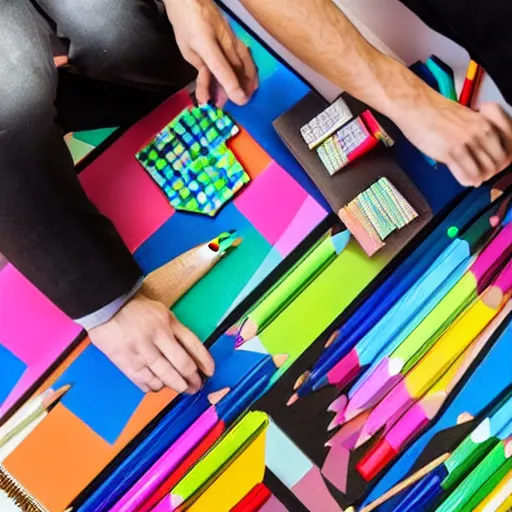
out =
column 191, row 163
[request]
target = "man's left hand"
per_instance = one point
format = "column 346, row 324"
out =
column 208, row 43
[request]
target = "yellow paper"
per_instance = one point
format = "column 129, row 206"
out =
column 238, row 479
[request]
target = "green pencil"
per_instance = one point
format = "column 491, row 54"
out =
column 498, row 458
column 292, row 284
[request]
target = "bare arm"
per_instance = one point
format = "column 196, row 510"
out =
column 474, row 145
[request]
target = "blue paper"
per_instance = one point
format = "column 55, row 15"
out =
column 101, row 396
column 11, row 370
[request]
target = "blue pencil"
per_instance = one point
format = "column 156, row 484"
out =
column 147, row 452
column 395, row 287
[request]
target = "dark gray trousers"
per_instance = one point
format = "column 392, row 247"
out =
column 49, row 229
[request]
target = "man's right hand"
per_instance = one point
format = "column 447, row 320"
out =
column 152, row 348
column 474, row 145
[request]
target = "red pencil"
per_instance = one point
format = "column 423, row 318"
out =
column 253, row 500
column 470, row 83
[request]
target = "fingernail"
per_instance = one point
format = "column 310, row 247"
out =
column 239, row 97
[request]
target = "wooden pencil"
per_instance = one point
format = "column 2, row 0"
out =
column 171, row 281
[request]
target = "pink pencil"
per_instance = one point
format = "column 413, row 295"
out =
column 390, row 371
column 152, row 480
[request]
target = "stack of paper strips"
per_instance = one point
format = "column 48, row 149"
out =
column 375, row 214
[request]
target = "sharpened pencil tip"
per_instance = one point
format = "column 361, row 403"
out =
column 362, row 439
column 332, row 337
column 337, row 420
column 237, row 241
column 215, row 397
column 301, row 380
column 53, row 398
column 293, row 399
column 280, row 359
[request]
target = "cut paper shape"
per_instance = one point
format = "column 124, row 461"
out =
column 252, row 157
column 272, row 260
column 271, row 202
column 335, row 467
column 77, row 148
column 101, row 396
column 121, row 189
column 314, row 494
column 191, row 163
column 32, row 328
column 273, row 505
column 284, row 458
column 11, row 369
column 40, row 458
column 307, row 218
column 94, row 137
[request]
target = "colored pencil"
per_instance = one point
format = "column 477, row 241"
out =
column 254, row 500
column 498, row 497
column 496, row 464
column 17, row 428
column 411, row 480
column 389, row 292
column 172, row 425
column 386, row 373
column 441, row 356
column 469, row 87
column 425, row 410
column 171, row 281
column 226, row 406
column 292, row 284
column 222, row 454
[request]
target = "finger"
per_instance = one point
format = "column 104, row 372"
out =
column 465, row 167
column 181, row 361
column 203, row 84
column 222, row 70
column 490, row 142
column 500, row 119
column 249, row 69
column 194, row 347
column 487, row 165
column 147, row 380
column 162, row 368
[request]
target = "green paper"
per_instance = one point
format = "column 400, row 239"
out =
column 202, row 307
column 463, row 494
column 309, row 315
column 222, row 453
column 94, row 137
column 295, row 281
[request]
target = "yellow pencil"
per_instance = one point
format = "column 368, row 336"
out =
column 500, row 498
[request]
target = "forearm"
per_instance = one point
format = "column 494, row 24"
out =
column 319, row 33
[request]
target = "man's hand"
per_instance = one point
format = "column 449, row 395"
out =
column 208, row 43
column 474, row 145
column 152, row 348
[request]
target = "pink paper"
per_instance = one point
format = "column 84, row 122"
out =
column 314, row 494
column 121, row 189
column 266, row 206
column 273, row 505
column 308, row 217
column 335, row 467
column 31, row 327
column 167, row 463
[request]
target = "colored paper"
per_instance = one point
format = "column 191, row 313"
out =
column 32, row 328
column 121, row 189
column 101, row 396
column 77, row 148
column 12, row 369
column 273, row 505
column 314, row 494
column 271, row 202
column 94, row 137
column 335, row 468
column 283, row 457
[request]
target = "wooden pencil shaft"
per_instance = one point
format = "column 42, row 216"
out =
column 406, row 483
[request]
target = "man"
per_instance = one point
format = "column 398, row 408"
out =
column 58, row 240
